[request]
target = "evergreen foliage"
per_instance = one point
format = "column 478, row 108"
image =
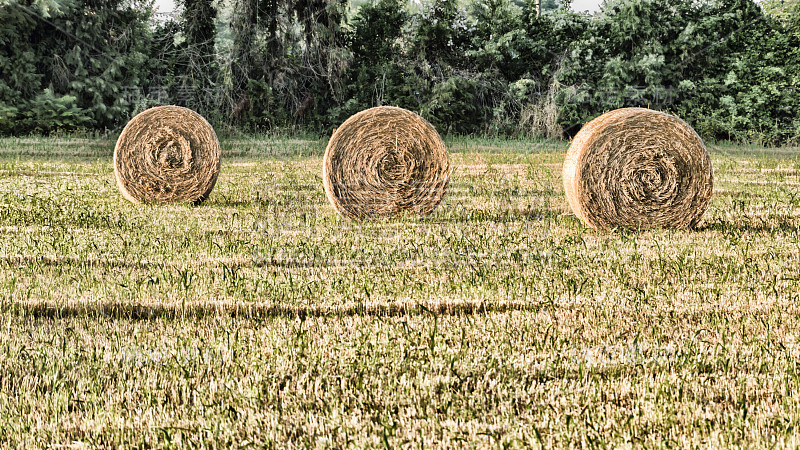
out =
column 729, row 67
column 66, row 65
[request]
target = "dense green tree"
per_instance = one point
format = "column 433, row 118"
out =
column 65, row 65
column 729, row 67
column 653, row 53
column 379, row 72
column 243, row 52
column 183, row 67
column 287, row 60
column 199, row 31
column 755, row 96
column 784, row 11
column 440, row 33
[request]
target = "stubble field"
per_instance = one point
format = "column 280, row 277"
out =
column 261, row 318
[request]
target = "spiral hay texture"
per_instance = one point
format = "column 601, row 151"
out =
column 638, row 168
column 385, row 161
column 167, row 154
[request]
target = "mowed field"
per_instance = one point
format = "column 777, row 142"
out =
column 261, row 318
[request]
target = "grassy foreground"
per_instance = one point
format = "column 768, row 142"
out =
column 263, row 319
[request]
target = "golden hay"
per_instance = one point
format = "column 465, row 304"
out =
column 385, row 161
column 167, row 154
column 638, row 168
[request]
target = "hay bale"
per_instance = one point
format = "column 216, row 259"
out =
column 638, row 168
column 385, row 161
column 167, row 154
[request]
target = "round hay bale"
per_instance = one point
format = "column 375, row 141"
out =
column 167, row 154
column 638, row 168
column 385, row 161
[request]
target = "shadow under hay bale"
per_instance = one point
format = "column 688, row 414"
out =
column 167, row 154
column 384, row 162
column 638, row 168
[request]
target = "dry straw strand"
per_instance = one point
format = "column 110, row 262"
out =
column 167, row 154
column 638, row 168
column 385, row 161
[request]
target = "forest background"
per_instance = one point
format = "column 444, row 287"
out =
column 731, row 68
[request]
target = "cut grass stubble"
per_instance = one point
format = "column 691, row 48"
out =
column 263, row 317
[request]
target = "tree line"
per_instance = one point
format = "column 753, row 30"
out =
column 731, row 68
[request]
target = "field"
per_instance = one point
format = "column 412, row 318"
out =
column 261, row 318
